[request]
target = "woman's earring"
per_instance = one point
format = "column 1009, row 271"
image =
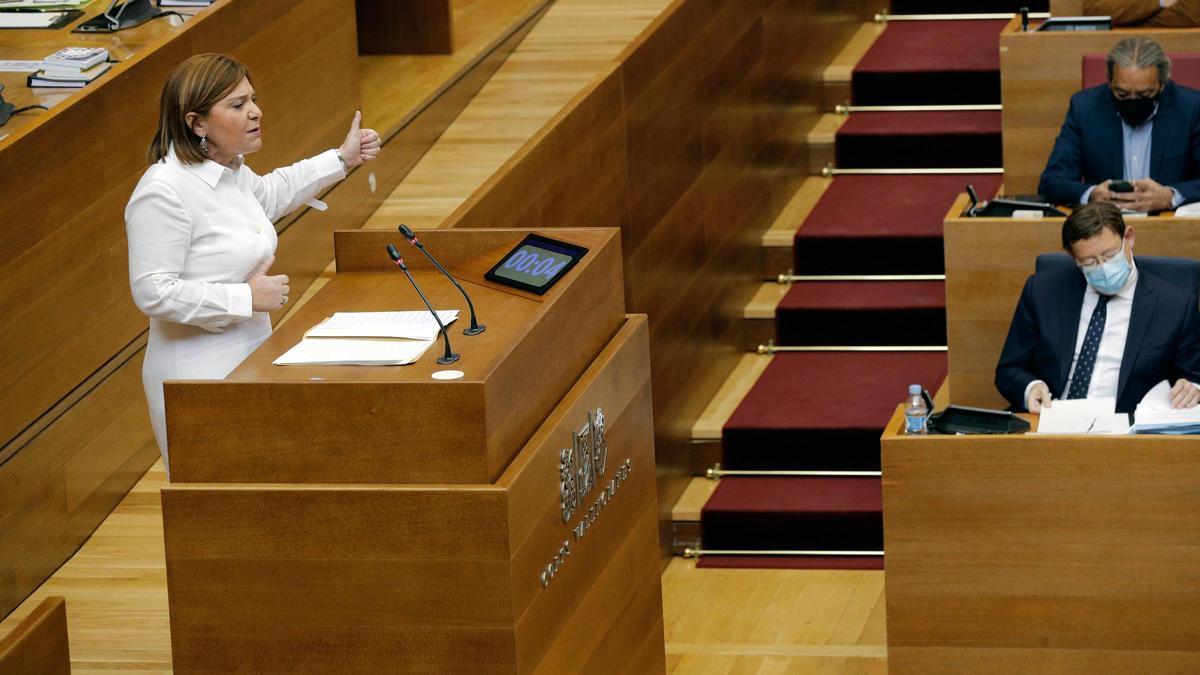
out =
column 204, row 145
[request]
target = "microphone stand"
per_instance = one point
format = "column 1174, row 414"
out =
column 449, row 357
column 476, row 328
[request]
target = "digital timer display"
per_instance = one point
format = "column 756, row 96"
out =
column 536, row 264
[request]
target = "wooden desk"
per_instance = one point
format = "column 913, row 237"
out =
column 39, row 643
column 74, row 435
column 1022, row 554
column 376, row 520
column 1038, row 74
column 987, row 263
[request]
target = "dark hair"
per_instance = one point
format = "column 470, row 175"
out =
column 196, row 86
column 1088, row 220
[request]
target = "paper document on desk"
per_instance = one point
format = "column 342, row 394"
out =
column 405, row 325
column 29, row 19
column 1154, row 414
column 1083, row 416
column 353, row 352
column 1188, row 210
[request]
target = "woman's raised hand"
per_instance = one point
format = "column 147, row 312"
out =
column 361, row 145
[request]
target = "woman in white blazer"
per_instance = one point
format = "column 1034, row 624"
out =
column 200, row 226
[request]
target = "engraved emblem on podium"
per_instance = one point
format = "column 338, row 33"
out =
column 582, row 464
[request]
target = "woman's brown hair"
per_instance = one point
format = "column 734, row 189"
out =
column 195, row 86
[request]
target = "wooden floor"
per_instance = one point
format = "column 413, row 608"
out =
column 773, row 621
column 717, row 621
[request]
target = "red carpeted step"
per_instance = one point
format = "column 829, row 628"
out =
column 824, row 410
column 882, row 224
column 931, row 62
column 840, row 313
column 971, row 7
column 915, row 140
column 794, row 514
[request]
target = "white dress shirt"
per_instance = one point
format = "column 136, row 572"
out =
column 196, row 233
column 1107, row 371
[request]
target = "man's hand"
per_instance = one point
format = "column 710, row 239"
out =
column 1148, row 195
column 1039, row 397
column 1101, row 194
column 1184, row 394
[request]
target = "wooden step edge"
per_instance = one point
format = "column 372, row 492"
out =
column 710, row 423
column 824, row 132
column 783, row 230
column 693, row 499
column 841, row 68
column 762, row 305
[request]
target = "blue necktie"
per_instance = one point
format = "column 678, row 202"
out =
column 1087, row 353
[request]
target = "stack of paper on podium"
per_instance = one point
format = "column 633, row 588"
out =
column 1154, row 414
column 367, row 339
column 1083, row 416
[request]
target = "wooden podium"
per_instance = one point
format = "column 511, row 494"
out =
column 373, row 519
column 1046, row 554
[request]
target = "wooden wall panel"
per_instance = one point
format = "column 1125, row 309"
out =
column 692, row 145
column 1038, row 74
column 59, row 487
column 405, row 26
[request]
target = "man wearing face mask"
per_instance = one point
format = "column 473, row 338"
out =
column 1140, row 128
column 1105, row 329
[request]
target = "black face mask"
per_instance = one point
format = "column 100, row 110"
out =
column 1135, row 111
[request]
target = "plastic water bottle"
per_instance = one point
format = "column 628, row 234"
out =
column 916, row 413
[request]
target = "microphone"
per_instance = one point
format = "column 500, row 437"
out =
column 449, row 357
column 476, row 328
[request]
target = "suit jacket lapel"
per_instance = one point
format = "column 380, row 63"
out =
column 1114, row 153
column 1144, row 299
column 1160, row 135
column 1068, row 332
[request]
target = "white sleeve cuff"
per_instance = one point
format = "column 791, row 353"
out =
column 1176, row 198
column 241, row 301
column 329, row 166
column 1029, row 387
column 1087, row 194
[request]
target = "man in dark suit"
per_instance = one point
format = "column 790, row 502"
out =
column 1140, row 127
column 1105, row 329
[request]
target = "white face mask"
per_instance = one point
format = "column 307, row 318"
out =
column 1110, row 276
